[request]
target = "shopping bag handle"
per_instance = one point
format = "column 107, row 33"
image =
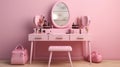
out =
column 19, row 47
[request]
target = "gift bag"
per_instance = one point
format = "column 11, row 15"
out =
column 96, row 57
column 19, row 55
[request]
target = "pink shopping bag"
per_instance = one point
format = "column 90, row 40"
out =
column 19, row 55
column 96, row 57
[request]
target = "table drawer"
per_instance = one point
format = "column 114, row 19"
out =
column 78, row 37
column 37, row 37
column 59, row 37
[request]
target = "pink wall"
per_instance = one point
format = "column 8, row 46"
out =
column 16, row 22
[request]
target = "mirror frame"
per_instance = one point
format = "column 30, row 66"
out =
column 53, row 22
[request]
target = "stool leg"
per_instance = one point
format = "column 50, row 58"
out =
column 50, row 57
column 70, row 59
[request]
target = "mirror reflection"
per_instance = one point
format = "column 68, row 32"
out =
column 60, row 14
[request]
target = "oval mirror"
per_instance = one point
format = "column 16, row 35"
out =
column 60, row 15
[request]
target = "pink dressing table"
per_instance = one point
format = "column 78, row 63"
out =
column 60, row 17
column 59, row 37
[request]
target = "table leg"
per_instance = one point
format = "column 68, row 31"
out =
column 86, row 49
column 31, row 52
column 90, row 58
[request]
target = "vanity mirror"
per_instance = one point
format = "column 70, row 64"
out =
column 60, row 15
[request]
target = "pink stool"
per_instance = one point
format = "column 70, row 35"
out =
column 60, row 48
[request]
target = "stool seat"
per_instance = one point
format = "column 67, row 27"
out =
column 60, row 48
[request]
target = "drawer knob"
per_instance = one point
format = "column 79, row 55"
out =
column 38, row 38
column 79, row 38
column 59, row 38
